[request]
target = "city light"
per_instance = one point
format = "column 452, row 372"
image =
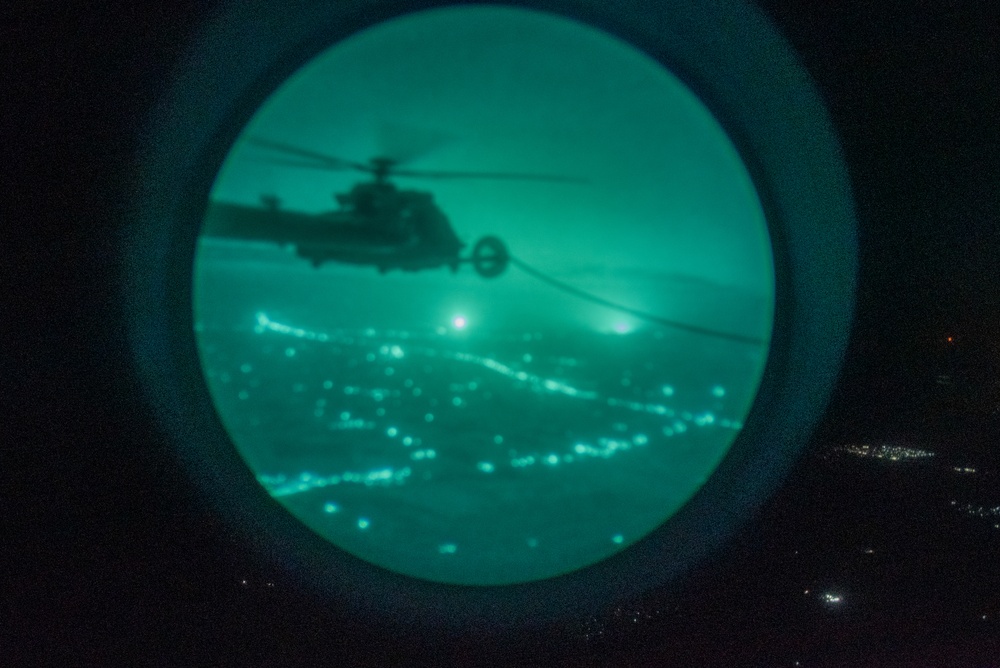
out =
column 831, row 599
column 894, row 453
column 379, row 405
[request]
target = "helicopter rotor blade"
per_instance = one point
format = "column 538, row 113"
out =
column 406, row 143
column 512, row 176
column 314, row 160
column 288, row 162
column 329, row 161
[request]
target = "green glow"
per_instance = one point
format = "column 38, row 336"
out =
column 476, row 431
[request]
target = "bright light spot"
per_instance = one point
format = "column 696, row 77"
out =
column 621, row 328
column 448, row 548
column 331, row 508
column 718, row 391
column 617, row 539
column 485, row 467
column 363, row 523
column 391, row 432
column 459, row 322
column 706, row 419
column 668, row 391
column 832, row 599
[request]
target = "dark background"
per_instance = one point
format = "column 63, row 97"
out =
column 109, row 558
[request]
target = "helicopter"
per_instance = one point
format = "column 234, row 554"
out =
column 375, row 222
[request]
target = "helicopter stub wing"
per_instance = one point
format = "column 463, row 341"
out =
column 407, row 257
column 331, row 236
column 264, row 224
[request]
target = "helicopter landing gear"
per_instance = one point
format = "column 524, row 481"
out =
column 490, row 257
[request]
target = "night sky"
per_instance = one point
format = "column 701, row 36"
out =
column 913, row 93
column 116, row 559
column 664, row 197
column 557, row 99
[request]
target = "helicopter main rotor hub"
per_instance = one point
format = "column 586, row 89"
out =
column 381, row 167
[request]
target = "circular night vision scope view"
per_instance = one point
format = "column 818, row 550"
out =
column 483, row 295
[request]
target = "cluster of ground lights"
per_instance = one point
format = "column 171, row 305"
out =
column 886, row 451
column 675, row 421
column 366, row 433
